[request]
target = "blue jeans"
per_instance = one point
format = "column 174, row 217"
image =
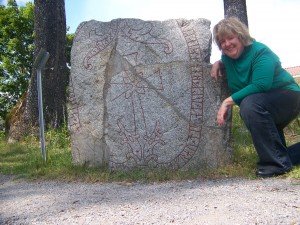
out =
column 266, row 115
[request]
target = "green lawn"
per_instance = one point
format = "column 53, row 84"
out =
column 24, row 159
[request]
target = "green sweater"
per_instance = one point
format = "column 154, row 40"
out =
column 258, row 69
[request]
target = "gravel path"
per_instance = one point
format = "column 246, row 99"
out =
column 228, row 201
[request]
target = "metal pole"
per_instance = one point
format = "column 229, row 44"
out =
column 41, row 115
column 39, row 64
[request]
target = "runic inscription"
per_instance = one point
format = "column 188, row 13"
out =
column 140, row 141
column 140, row 146
column 140, row 96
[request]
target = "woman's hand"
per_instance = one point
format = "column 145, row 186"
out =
column 217, row 70
column 223, row 111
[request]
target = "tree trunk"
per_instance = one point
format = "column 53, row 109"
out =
column 50, row 31
column 237, row 8
column 50, row 34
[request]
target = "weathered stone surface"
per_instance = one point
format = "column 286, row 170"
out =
column 141, row 96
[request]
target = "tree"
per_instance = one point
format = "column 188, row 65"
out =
column 237, row 8
column 50, row 34
column 16, row 53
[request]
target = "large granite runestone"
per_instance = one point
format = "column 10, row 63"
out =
column 141, row 96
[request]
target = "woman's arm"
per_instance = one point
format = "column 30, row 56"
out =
column 262, row 75
column 217, row 70
column 223, row 110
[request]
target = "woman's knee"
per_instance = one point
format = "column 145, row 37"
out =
column 248, row 106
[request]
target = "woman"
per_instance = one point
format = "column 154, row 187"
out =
column 268, row 96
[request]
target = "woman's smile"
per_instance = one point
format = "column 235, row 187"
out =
column 231, row 46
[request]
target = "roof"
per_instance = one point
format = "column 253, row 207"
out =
column 295, row 71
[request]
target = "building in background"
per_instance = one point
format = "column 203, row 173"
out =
column 295, row 71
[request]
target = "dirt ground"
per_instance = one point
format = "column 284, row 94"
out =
column 227, row 201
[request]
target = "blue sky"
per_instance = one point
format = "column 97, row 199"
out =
column 273, row 22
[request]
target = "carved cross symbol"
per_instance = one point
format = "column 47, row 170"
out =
column 140, row 142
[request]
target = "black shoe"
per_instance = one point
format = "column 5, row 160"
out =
column 263, row 173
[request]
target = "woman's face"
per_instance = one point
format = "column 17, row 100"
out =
column 231, row 46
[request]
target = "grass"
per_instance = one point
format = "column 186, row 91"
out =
column 25, row 160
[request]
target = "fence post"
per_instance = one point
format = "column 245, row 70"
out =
column 39, row 64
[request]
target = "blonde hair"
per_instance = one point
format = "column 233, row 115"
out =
column 231, row 25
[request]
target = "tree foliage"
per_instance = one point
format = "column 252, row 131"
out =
column 69, row 43
column 16, row 52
